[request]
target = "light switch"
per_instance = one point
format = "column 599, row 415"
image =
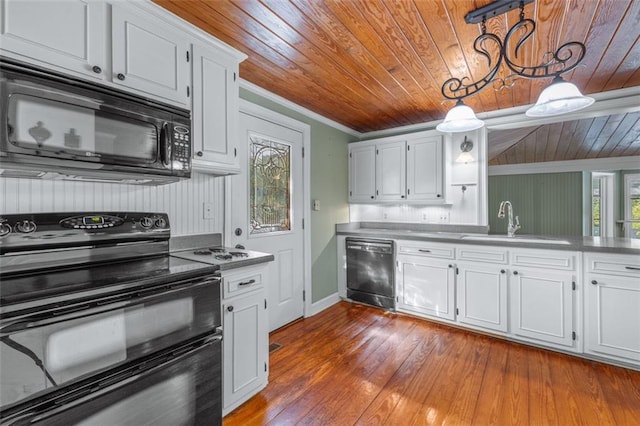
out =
column 316, row 205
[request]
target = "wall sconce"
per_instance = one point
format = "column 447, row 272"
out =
column 560, row 97
column 465, row 156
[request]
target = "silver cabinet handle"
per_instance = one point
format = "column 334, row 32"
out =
column 632, row 268
column 424, row 251
column 96, row 69
column 594, row 282
column 247, row 282
column 120, row 76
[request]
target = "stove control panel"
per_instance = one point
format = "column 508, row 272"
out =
column 91, row 222
column 32, row 229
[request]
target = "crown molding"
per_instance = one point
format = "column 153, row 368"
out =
column 257, row 90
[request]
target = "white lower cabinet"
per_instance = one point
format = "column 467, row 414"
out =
column 612, row 306
column 426, row 286
column 542, row 306
column 482, row 295
column 245, row 336
column 544, row 297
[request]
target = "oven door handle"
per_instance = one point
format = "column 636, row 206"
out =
column 115, row 381
column 97, row 306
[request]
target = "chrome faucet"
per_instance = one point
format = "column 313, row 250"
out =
column 511, row 228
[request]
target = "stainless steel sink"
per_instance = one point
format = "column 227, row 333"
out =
column 516, row 239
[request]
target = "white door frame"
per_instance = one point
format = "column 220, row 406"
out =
column 285, row 121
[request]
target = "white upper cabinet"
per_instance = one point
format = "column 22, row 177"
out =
column 424, row 169
column 397, row 169
column 215, row 111
column 70, row 34
column 149, row 55
column 391, row 171
column 362, row 173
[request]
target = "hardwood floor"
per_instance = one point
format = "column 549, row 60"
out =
column 353, row 364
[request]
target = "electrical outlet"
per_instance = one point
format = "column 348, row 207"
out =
column 424, row 216
column 385, row 216
column 207, row 211
column 444, row 218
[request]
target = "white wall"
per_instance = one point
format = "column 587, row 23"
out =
column 183, row 201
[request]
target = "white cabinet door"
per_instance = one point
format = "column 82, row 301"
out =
column 149, row 56
column 426, row 286
column 613, row 316
column 215, row 111
column 362, row 173
column 68, row 34
column 424, row 169
column 482, row 296
column 542, row 305
column 245, row 347
column 391, row 171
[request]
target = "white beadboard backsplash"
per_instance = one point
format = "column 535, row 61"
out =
column 183, row 201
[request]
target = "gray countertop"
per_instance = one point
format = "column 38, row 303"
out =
column 463, row 234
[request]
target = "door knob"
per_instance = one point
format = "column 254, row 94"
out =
column 96, row 69
column 230, row 308
column 120, row 76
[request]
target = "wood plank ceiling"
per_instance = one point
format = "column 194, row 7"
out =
column 379, row 64
column 602, row 137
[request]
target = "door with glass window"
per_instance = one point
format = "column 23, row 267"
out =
column 266, row 210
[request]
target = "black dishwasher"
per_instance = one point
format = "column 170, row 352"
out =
column 370, row 272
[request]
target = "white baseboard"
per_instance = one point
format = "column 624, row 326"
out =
column 323, row 304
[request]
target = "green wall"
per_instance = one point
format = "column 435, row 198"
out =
column 329, row 183
column 548, row 204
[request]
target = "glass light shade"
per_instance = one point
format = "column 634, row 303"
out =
column 560, row 97
column 465, row 157
column 460, row 118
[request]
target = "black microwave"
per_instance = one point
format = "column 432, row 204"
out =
column 57, row 126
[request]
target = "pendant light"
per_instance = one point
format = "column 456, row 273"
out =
column 460, row 118
column 560, row 97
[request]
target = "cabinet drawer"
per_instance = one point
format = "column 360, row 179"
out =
column 483, row 254
column 548, row 259
column 617, row 264
column 241, row 282
column 426, row 249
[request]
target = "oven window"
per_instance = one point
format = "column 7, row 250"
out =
column 52, row 352
column 64, row 130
